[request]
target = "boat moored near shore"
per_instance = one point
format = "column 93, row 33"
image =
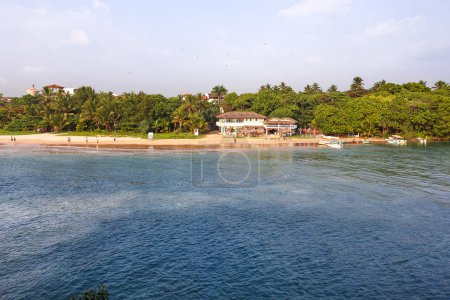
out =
column 396, row 140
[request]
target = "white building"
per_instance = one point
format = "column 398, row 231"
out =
column 253, row 124
column 282, row 126
column 234, row 121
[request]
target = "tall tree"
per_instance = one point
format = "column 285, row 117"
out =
column 308, row 89
column 219, row 91
column 284, row 87
column 440, row 85
column 316, row 88
column 378, row 85
column 179, row 117
column 357, row 84
column 332, row 89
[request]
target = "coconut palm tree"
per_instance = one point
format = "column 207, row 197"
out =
column 220, row 91
column 284, row 87
column 195, row 121
column 377, row 85
column 422, row 82
column 440, row 85
column 357, row 84
column 308, row 89
column 332, row 89
column 107, row 112
column 316, row 88
column 179, row 117
column 265, row 87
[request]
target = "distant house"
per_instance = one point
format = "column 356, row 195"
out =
column 210, row 97
column 5, row 99
column 70, row 91
column 235, row 121
column 54, row 88
column 32, row 91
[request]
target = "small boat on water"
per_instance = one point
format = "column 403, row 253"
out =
column 366, row 142
column 335, row 144
column 396, row 140
column 321, row 142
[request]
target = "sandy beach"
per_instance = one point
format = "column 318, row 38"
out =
column 209, row 140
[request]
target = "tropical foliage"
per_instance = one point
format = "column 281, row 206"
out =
column 411, row 108
column 93, row 294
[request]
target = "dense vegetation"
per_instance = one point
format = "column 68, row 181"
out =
column 412, row 109
column 87, row 110
column 101, row 293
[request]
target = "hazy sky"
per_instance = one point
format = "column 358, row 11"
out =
column 178, row 46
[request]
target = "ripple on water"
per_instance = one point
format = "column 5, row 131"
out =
column 364, row 222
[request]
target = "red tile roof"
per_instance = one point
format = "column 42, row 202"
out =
column 240, row 115
column 54, row 86
column 281, row 121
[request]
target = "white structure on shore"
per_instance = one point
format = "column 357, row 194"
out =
column 32, row 91
column 234, row 121
column 251, row 123
column 281, row 126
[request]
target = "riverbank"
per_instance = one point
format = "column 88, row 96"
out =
column 209, row 140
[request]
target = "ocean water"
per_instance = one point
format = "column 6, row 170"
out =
column 368, row 221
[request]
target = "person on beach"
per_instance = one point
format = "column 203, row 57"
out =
column 68, row 139
column 86, row 139
column 97, row 139
column 14, row 139
column 114, row 139
column 11, row 138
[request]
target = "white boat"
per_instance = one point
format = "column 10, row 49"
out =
column 335, row 144
column 366, row 142
column 396, row 140
column 321, row 142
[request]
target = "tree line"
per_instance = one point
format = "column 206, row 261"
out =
column 412, row 109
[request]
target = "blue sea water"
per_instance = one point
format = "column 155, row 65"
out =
column 368, row 221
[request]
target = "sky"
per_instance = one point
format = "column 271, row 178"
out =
column 178, row 46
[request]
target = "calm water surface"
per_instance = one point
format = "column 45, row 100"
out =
column 362, row 222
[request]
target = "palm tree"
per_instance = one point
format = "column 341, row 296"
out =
column 284, row 87
column 57, row 120
column 47, row 94
column 422, row 82
column 165, row 124
column 332, row 89
column 179, row 117
column 89, row 112
column 440, row 85
column 316, row 88
column 107, row 112
column 265, row 87
column 308, row 89
column 220, row 91
column 357, row 84
column 377, row 85
column 196, row 121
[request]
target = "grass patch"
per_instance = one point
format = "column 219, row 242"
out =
column 7, row 132
column 104, row 133
column 302, row 136
column 176, row 135
column 156, row 136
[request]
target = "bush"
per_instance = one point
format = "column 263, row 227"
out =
column 24, row 123
column 93, row 294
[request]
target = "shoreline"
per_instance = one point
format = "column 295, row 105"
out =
column 209, row 141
